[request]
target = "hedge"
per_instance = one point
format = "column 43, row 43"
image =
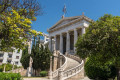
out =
column 43, row 73
column 10, row 76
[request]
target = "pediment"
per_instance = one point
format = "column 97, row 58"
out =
column 69, row 20
column 62, row 22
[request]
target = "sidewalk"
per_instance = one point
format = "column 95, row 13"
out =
column 35, row 79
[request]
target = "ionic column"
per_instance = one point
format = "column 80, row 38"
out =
column 68, row 43
column 75, row 39
column 50, row 43
column 61, row 43
column 83, row 30
column 55, row 43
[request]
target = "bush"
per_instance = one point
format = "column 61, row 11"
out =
column 94, row 70
column 43, row 73
column 8, row 67
column 10, row 76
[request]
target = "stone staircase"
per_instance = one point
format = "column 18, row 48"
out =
column 73, row 69
column 71, row 63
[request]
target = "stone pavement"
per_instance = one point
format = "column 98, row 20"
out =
column 86, row 78
column 35, row 79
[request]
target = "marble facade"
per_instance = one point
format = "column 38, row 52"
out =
column 65, row 33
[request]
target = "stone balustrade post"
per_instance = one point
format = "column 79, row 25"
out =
column 50, row 72
column 60, row 75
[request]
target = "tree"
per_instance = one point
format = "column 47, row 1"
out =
column 25, row 58
column 29, row 8
column 96, row 70
column 15, row 22
column 40, row 55
column 102, row 37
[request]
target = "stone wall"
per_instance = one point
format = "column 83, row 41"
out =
column 77, row 76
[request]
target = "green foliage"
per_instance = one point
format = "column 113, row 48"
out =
column 40, row 55
column 25, row 58
column 43, row 73
column 8, row 67
column 10, row 76
column 15, row 27
column 103, row 37
column 95, row 70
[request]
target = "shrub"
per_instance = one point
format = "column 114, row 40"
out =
column 43, row 73
column 94, row 70
column 10, row 76
column 8, row 67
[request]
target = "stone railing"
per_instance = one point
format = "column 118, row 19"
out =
column 56, row 72
column 73, row 71
column 74, row 57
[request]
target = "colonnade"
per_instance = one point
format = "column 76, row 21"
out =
column 53, row 40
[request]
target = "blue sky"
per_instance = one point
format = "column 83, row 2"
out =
column 92, row 8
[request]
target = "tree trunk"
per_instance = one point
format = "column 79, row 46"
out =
column 118, row 74
column 35, row 72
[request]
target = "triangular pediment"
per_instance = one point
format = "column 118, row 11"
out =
column 68, row 20
column 63, row 22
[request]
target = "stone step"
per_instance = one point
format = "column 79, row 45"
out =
column 71, row 63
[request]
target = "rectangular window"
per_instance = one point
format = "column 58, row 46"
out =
column 17, row 57
column 16, row 63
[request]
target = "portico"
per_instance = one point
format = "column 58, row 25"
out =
column 66, row 32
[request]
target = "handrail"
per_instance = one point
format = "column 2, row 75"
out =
column 55, row 73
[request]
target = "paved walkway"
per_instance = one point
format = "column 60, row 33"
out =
column 86, row 78
column 35, row 79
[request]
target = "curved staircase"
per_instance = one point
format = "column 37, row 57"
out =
column 72, row 69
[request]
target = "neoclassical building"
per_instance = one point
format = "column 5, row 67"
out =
column 66, row 31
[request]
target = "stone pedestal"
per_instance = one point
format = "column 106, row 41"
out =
column 30, row 71
column 60, row 74
column 55, row 60
column 50, row 72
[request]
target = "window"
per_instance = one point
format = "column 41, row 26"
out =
column 9, row 56
column 17, row 57
column 1, row 55
column 16, row 63
column 9, row 61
